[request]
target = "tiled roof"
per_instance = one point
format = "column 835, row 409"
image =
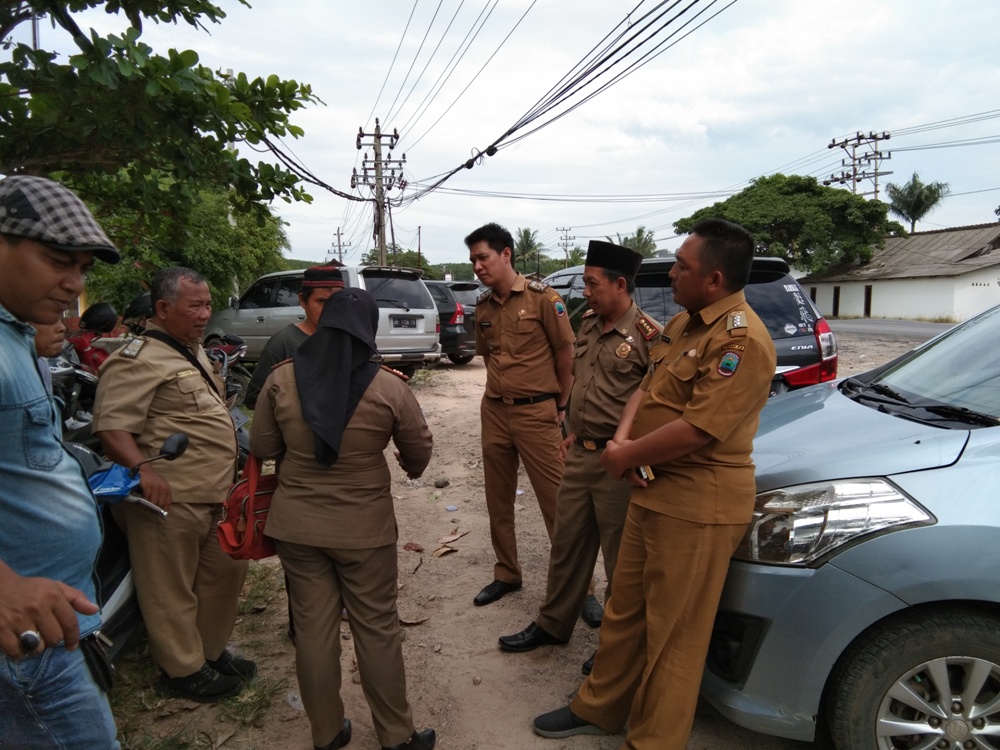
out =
column 942, row 252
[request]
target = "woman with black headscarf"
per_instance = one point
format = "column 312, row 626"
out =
column 332, row 514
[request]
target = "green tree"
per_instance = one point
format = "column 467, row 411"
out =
column 402, row 258
column 138, row 132
column 642, row 242
column 811, row 226
column 915, row 199
column 528, row 251
column 230, row 252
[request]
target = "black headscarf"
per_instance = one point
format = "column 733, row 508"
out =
column 333, row 367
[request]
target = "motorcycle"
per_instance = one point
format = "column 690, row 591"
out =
column 74, row 389
column 113, row 484
column 96, row 321
column 228, row 351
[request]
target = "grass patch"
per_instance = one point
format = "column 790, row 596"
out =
column 262, row 586
column 251, row 705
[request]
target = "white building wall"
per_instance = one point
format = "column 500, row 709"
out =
column 976, row 292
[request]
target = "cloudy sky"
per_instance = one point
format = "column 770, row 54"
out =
column 762, row 87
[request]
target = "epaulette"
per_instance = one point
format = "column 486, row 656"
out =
column 737, row 319
column 131, row 349
column 484, row 296
column 646, row 327
column 394, row 372
column 537, row 286
column 590, row 313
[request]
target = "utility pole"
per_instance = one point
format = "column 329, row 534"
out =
column 564, row 242
column 373, row 175
column 340, row 246
column 860, row 163
column 418, row 248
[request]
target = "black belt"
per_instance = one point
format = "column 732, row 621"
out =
column 593, row 444
column 510, row 401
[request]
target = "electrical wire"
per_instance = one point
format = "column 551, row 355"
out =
column 414, row 62
column 393, row 63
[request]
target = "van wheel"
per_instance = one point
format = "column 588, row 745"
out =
column 461, row 359
column 928, row 680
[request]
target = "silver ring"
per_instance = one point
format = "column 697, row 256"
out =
column 30, row 640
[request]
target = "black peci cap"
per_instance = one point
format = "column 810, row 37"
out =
column 614, row 257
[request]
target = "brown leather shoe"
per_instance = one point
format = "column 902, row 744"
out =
column 418, row 741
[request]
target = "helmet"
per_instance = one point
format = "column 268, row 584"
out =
column 99, row 318
column 140, row 307
column 137, row 312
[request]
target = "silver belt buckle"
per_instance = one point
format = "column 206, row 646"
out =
column 590, row 445
column 509, row 400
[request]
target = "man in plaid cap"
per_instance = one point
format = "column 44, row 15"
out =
column 318, row 284
column 51, row 533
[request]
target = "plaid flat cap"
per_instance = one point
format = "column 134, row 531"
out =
column 41, row 209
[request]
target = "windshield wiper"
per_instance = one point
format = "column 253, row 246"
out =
column 394, row 303
column 961, row 414
column 889, row 396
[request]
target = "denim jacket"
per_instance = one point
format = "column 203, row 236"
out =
column 49, row 523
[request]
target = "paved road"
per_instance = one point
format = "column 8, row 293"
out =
column 889, row 328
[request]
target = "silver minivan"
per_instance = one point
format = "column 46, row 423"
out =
column 865, row 597
column 407, row 336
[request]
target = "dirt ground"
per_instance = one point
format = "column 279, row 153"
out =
column 459, row 682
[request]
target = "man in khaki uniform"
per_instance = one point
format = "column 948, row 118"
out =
column 689, row 429
column 525, row 339
column 159, row 384
column 611, row 357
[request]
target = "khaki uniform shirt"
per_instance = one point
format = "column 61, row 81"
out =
column 148, row 389
column 521, row 337
column 347, row 505
column 607, row 368
column 713, row 369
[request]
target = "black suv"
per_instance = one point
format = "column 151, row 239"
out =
column 807, row 349
column 456, row 304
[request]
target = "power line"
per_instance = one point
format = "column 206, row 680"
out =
column 395, row 55
column 414, row 62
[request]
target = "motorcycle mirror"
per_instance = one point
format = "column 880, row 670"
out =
column 174, row 446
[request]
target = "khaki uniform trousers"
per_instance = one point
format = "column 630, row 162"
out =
column 188, row 588
column 323, row 582
column 590, row 515
column 656, row 629
column 531, row 432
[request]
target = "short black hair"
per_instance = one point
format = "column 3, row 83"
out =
column 728, row 248
column 167, row 282
column 493, row 235
column 612, row 275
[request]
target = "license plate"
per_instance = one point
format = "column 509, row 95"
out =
column 404, row 322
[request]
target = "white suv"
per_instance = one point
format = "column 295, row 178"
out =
column 407, row 336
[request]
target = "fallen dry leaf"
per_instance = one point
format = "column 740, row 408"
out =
column 443, row 550
column 452, row 537
column 413, row 547
column 409, row 622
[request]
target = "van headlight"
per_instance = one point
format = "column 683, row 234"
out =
column 801, row 524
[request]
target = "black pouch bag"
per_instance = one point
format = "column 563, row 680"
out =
column 95, row 653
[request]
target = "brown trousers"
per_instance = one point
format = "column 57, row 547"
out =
column 321, row 583
column 529, row 432
column 590, row 515
column 188, row 588
column 656, row 629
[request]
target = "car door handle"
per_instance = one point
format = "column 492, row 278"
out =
column 300, row 317
column 260, row 318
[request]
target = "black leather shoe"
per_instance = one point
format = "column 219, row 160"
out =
column 588, row 665
column 592, row 612
column 232, row 665
column 418, row 741
column 342, row 738
column 205, row 686
column 563, row 723
column 529, row 639
column 494, row 591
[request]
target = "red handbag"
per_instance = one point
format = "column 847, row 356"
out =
column 241, row 530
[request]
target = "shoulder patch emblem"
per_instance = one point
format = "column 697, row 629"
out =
column 646, row 328
column 537, row 286
column 591, row 313
column 737, row 347
column 132, row 348
column 737, row 319
column 728, row 364
column 559, row 306
column 394, row 372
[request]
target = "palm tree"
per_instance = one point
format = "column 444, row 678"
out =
column 527, row 249
column 914, row 200
column 642, row 242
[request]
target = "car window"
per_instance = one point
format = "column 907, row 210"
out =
column 288, row 293
column 468, row 296
column 783, row 306
column 259, row 295
column 438, row 293
column 395, row 290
